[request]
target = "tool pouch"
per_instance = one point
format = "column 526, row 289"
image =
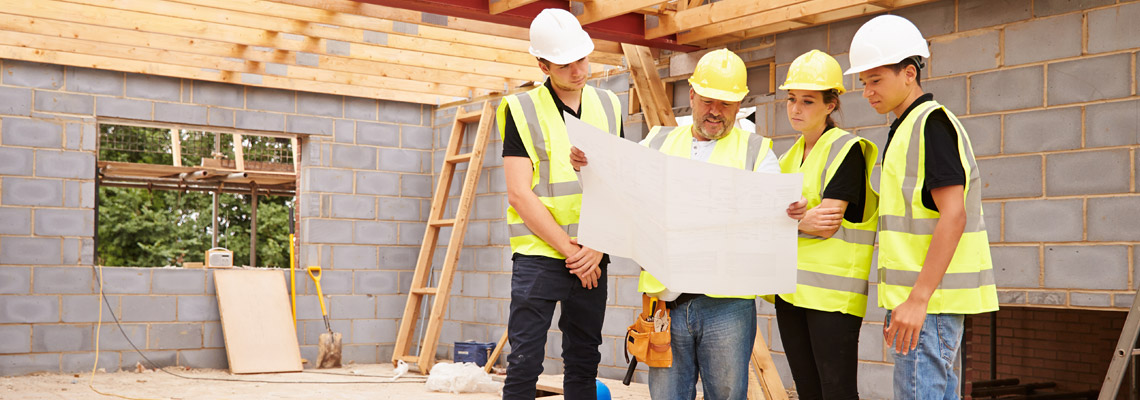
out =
column 652, row 348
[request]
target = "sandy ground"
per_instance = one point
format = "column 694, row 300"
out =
column 351, row 382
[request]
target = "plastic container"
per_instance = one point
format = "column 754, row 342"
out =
column 473, row 352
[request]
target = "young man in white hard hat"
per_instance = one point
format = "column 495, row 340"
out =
column 711, row 335
column 545, row 198
column 934, row 257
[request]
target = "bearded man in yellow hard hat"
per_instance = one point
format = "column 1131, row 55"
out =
column 711, row 335
column 550, row 267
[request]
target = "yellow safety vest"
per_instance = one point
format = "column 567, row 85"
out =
column 543, row 133
column 906, row 226
column 739, row 149
column 832, row 273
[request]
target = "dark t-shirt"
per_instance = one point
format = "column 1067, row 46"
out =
column 943, row 166
column 850, row 184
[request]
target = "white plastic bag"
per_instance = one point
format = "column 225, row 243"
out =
column 461, row 378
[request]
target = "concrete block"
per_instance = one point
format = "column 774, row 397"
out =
column 15, row 101
column 179, row 281
column 332, row 283
column 85, row 308
column 261, row 121
column 398, row 112
column 355, row 157
column 972, row 52
column 1090, row 299
column 1069, row 173
column 1011, row 297
column 59, row 338
column 1123, row 300
column 360, row 108
column 391, row 307
column 1054, row 7
column 65, row 164
column 1110, row 29
column 1112, row 124
column 793, row 44
column 376, row 282
column 320, row 104
column 352, row 307
column 312, row 330
column 872, row 378
column 153, row 87
column 1023, row 40
column 15, row 221
column 1008, row 89
column 175, row 336
column 31, row 133
column 1089, row 79
column 1043, row 130
column 32, row 192
column 1011, row 177
column 113, row 338
column 157, row 359
column 985, row 134
column 82, row 362
column 23, row 364
column 126, row 280
column 354, row 207
column 268, row 99
column 840, row 34
column 198, row 308
column 61, row 280
column 87, row 80
column 204, row 358
column 380, row 232
column 378, row 183
column 344, row 131
column 973, row 14
column 402, row 160
column 309, row 125
column 15, row 280
column 476, row 285
column 416, row 137
column 328, row 180
column 180, row 113
column 15, row 339
column 398, row 257
column 355, row 257
column 1016, row 266
column 1086, row 267
column 218, row 94
column 1113, row 219
column 378, row 134
column 933, row 19
column 413, row 232
column 327, row 231
column 149, row 309
column 871, row 342
column 490, row 311
column 28, row 309
column 874, row 312
column 54, row 222
column 64, row 103
column 855, row 112
column 490, row 207
column 488, row 258
column 950, row 92
column 220, row 117
column 212, row 331
column 991, row 213
column 478, row 234
column 399, row 209
column 373, row 331
column 414, row 185
column 1046, row 298
column 32, row 74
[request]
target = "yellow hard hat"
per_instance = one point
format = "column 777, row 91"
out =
column 721, row 75
column 814, row 70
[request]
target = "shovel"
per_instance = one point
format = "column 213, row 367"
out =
column 328, row 347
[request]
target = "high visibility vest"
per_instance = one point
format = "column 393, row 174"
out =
column 906, row 226
column 543, row 133
column 739, row 149
column 832, row 273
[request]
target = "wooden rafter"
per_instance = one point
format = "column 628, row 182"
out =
column 712, row 13
column 826, row 15
column 594, row 11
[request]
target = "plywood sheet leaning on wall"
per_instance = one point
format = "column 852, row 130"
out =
column 256, row 322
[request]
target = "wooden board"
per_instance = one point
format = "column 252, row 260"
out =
column 256, row 322
column 618, row 391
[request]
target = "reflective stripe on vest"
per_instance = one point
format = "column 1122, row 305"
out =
column 543, row 187
column 755, row 145
column 968, row 287
column 832, row 273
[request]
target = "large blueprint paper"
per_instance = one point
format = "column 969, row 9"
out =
column 697, row 227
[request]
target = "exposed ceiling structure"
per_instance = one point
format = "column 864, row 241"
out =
column 419, row 51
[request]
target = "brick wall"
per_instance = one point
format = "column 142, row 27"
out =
column 365, row 177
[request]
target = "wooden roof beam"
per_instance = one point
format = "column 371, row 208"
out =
column 500, row 6
column 821, row 18
column 595, row 11
column 770, row 16
column 712, row 13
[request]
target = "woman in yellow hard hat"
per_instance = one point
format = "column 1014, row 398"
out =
column 819, row 323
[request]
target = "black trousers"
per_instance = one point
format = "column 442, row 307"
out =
column 822, row 349
column 537, row 284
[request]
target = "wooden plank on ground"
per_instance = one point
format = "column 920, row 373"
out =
column 618, row 391
column 256, row 322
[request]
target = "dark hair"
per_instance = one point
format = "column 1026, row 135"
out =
column 831, row 96
column 901, row 65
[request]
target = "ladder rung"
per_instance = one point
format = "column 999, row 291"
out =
column 458, row 158
column 1136, row 352
column 469, row 116
column 425, row 290
column 442, row 222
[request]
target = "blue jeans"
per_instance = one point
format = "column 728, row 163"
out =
column 712, row 338
column 927, row 372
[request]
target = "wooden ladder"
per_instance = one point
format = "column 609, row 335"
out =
column 421, row 280
column 1124, row 355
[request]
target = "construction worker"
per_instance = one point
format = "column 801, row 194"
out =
column 819, row 322
column 545, row 199
column 934, row 256
column 711, row 336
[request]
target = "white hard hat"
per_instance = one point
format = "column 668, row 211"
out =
column 556, row 36
column 885, row 40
